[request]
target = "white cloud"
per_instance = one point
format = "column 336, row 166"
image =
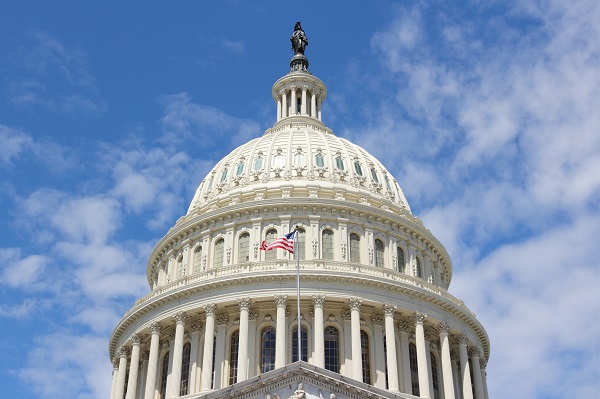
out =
column 13, row 143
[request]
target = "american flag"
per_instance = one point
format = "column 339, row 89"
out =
column 286, row 243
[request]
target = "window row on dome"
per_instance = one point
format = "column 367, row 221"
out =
column 324, row 242
column 320, row 164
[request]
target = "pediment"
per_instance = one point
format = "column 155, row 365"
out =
column 300, row 380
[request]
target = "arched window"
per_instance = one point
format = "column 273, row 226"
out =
column 258, row 163
column 358, row 168
column 267, row 350
column 197, row 259
column 269, row 238
column 319, row 160
column 164, row 373
column 210, row 183
column 244, row 248
column 219, row 252
column 303, row 341
column 414, row 370
column 224, row 175
column 185, row 369
column 327, row 244
column 234, row 346
column 354, row 248
column 240, row 168
column 300, row 248
column 299, row 159
column 434, row 376
column 339, row 163
column 332, row 349
column 365, row 352
column 180, row 267
column 401, row 260
column 387, row 183
column 374, row 175
column 419, row 271
column 279, row 159
column 378, row 253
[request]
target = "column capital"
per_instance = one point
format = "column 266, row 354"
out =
column 462, row 339
column 136, row 338
column 318, row 300
column 355, row 303
column 419, row 317
column 155, row 327
column 443, row 327
column 244, row 303
column 281, row 300
column 389, row 309
column 180, row 317
column 123, row 351
column 473, row 352
column 210, row 308
column 115, row 364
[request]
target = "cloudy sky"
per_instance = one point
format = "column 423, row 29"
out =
column 487, row 113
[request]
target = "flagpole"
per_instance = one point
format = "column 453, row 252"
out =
column 297, row 252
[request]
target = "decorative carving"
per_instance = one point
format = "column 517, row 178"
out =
column 123, row 351
column 299, row 393
column 315, row 244
column 363, row 200
column 164, row 345
column 433, row 346
column 281, row 300
column 180, row 317
column 346, row 314
column 473, row 352
column 222, row 318
column 286, row 193
column 287, row 312
column 155, row 327
column 268, row 317
column 419, row 317
column 259, row 196
column 313, row 194
column 370, row 255
column 318, row 300
column 244, row 303
column 340, row 196
column 331, row 318
column 355, row 303
column 404, row 326
column 210, row 308
column 343, row 250
column 462, row 339
column 377, row 319
column 229, row 255
column 389, row 309
column 256, row 248
column 252, row 314
column 196, row 325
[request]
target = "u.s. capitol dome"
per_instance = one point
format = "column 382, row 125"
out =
column 376, row 318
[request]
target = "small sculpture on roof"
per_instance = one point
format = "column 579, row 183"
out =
column 298, row 39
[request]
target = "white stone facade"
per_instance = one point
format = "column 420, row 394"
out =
column 376, row 317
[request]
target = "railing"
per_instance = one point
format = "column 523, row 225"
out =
column 339, row 268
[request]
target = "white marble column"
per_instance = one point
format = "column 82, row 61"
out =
column 484, row 380
column 313, row 104
column 152, row 360
column 294, row 101
column 474, row 352
column 120, row 389
column 446, row 361
column 207, row 354
column 279, row 106
column 115, row 373
column 319, row 330
column 242, row 371
column 421, row 355
column 303, row 103
column 175, row 379
column 390, row 344
column 319, row 106
column 143, row 372
column 280, row 331
column 455, row 374
column 356, row 348
column 220, row 377
column 465, row 372
column 346, row 366
column 133, row 366
column 405, row 361
column 284, row 106
column 195, row 340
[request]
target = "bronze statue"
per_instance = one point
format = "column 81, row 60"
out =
column 298, row 39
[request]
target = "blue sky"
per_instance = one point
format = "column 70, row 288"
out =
column 111, row 113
